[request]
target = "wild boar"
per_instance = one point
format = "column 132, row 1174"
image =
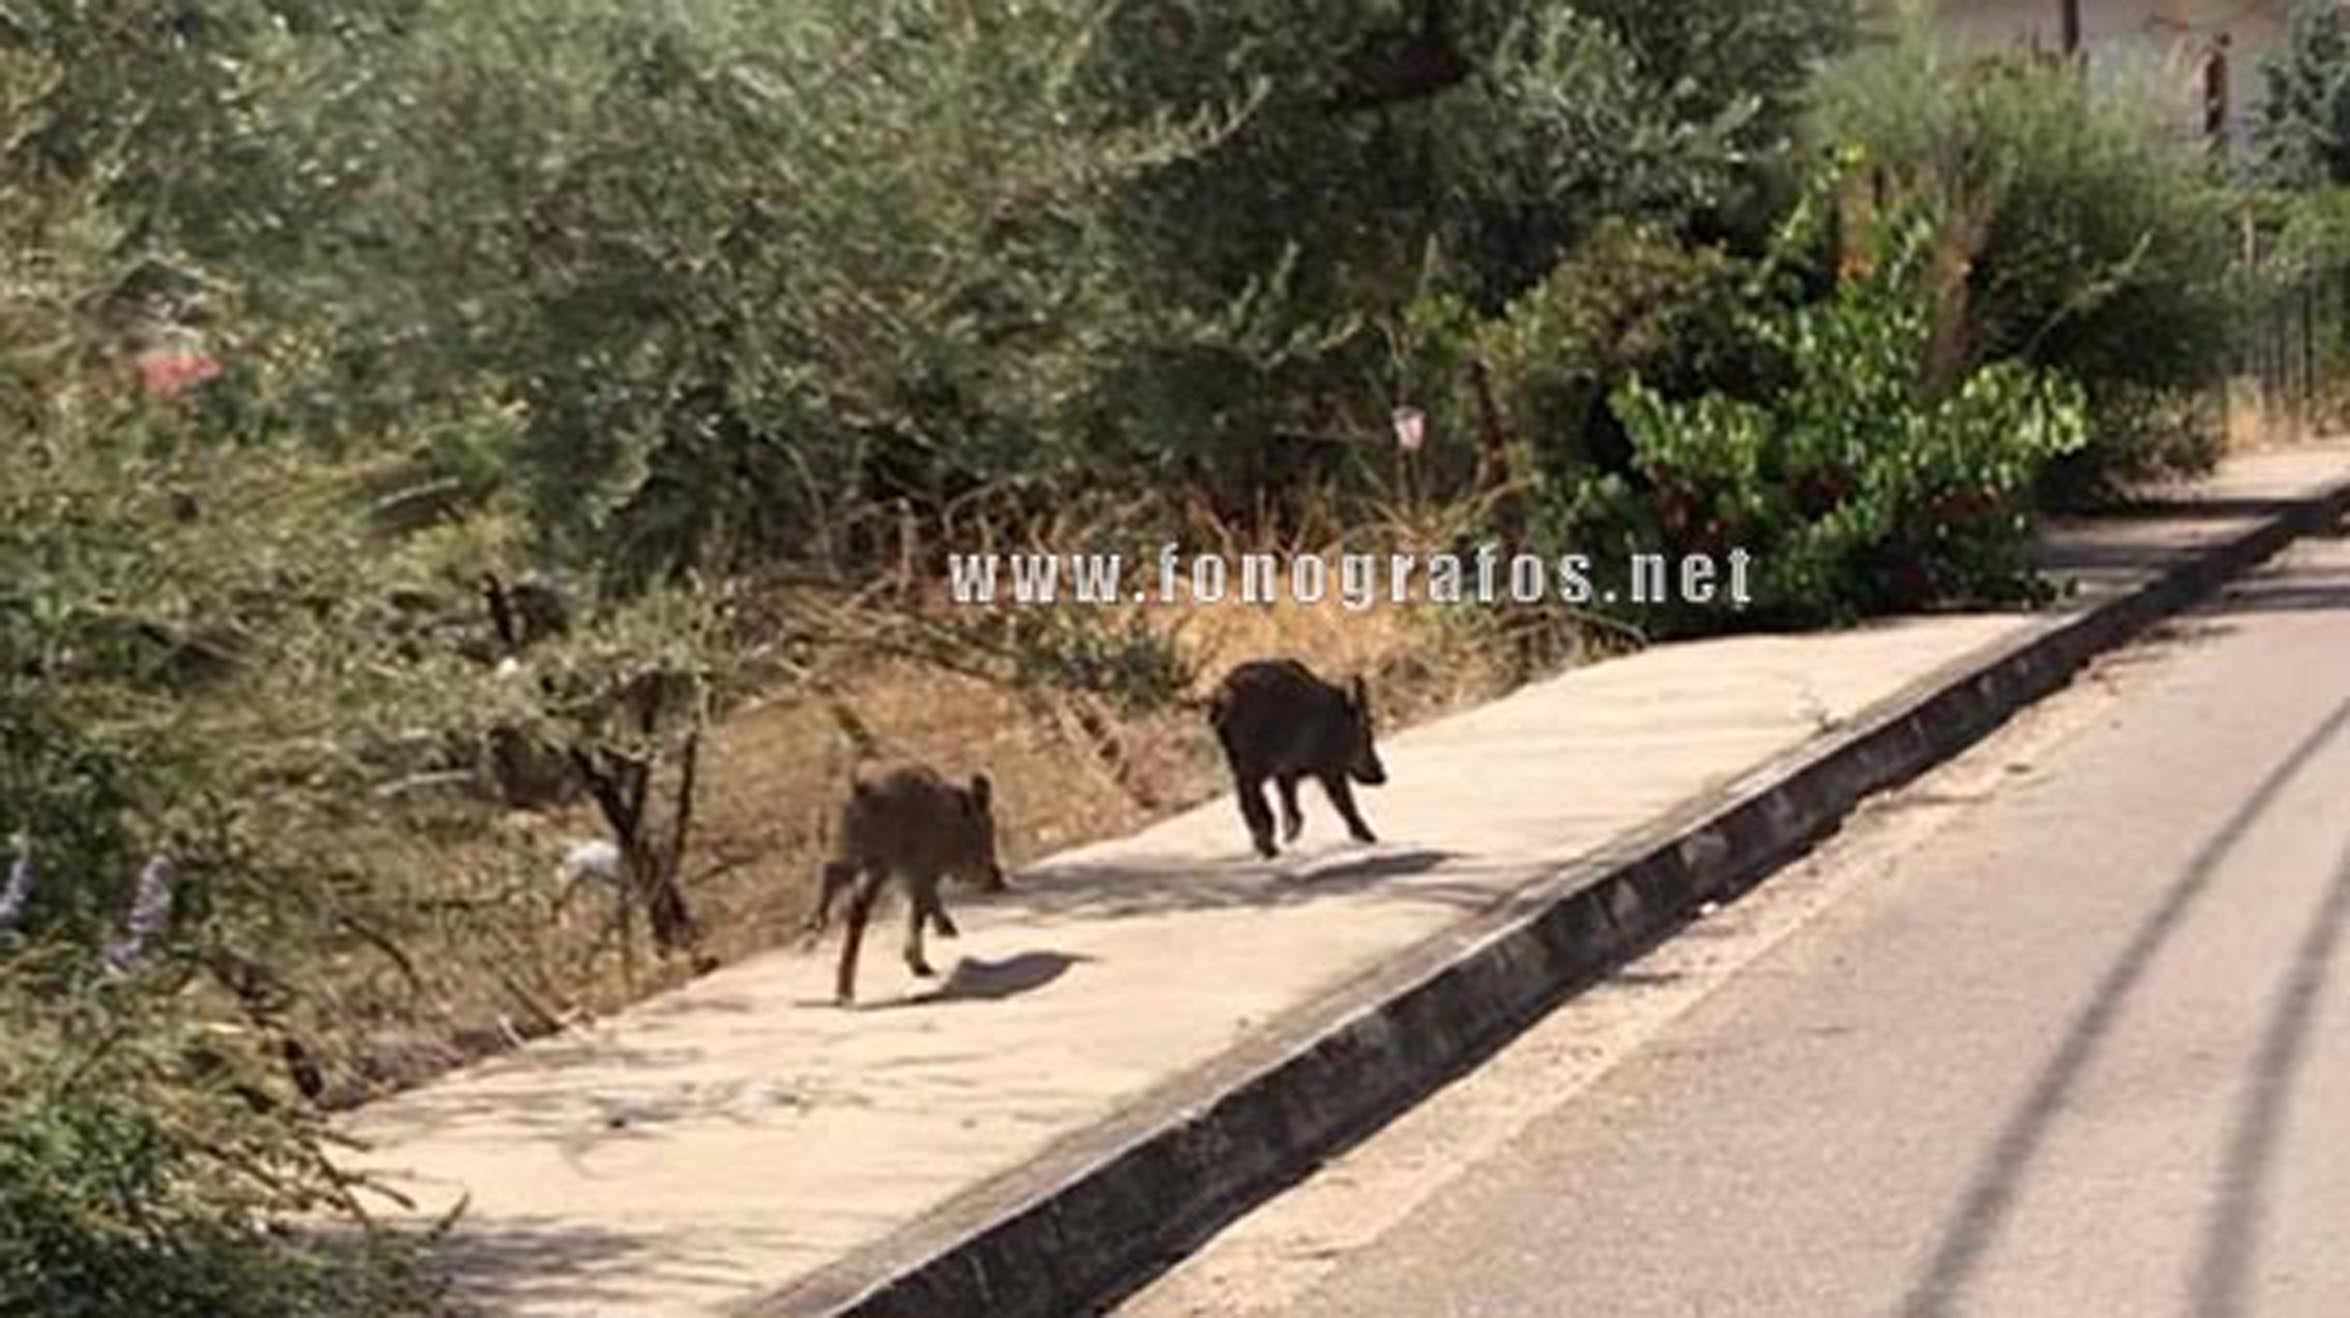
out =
column 1277, row 720
column 903, row 821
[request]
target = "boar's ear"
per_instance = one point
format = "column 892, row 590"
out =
column 982, row 792
column 1358, row 694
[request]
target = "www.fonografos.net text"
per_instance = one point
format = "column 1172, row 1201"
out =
column 1358, row 581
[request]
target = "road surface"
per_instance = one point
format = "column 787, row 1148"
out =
column 2060, row 1029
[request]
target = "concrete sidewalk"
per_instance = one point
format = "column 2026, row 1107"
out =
column 717, row 1144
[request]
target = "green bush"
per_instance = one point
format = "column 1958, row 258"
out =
column 1631, row 299
column 2301, row 119
column 711, row 287
column 1389, row 168
column 145, row 1167
column 1857, row 488
column 152, row 1149
column 2136, row 435
column 2097, row 233
column 195, row 663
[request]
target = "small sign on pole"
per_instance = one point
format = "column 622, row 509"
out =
column 1411, row 428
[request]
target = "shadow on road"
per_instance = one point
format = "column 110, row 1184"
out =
column 583, row 1269
column 2192, row 510
column 2232, row 1225
column 1371, row 869
column 2303, row 590
column 2088, row 550
column 2094, row 555
column 1991, row 1195
column 1146, row 885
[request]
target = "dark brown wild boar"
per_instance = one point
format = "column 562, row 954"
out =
column 903, row 821
column 1277, row 720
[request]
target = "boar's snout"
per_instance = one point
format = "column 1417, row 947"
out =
column 1368, row 770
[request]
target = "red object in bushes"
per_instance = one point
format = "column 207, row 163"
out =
column 170, row 372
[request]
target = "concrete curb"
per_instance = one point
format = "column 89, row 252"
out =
column 1084, row 1221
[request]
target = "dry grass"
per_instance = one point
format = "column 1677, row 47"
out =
column 2254, row 425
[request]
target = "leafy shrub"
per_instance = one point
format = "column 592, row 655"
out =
column 1392, row 165
column 1857, row 488
column 196, row 663
column 147, row 1166
column 2095, row 236
column 2306, row 269
column 152, row 1149
column 1630, row 299
column 2136, row 435
column 2301, row 118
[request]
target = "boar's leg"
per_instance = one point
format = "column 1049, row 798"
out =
column 1248, row 782
column 1258, row 815
column 930, row 902
column 1342, row 796
column 1292, row 821
column 921, row 906
column 832, row 878
column 860, row 910
column 940, row 924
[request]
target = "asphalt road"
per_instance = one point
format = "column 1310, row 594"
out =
column 2063, row 1029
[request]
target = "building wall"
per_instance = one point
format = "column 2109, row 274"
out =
column 2173, row 38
